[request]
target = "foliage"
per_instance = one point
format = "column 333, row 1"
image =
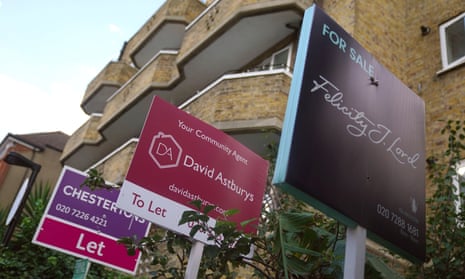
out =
column 230, row 245
column 299, row 244
column 376, row 268
column 294, row 244
column 292, row 241
column 168, row 250
column 445, row 240
column 95, row 180
column 295, row 240
column 22, row 259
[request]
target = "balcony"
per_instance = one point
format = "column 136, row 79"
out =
column 249, row 106
column 218, row 40
column 163, row 31
column 251, row 96
column 115, row 165
column 159, row 73
column 229, row 35
column 107, row 82
column 244, row 27
column 124, row 113
column 84, row 141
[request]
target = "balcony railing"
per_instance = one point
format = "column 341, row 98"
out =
column 250, row 96
column 160, row 72
column 115, row 165
column 226, row 12
column 163, row 30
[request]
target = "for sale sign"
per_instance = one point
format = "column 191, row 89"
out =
column 179, row 159
column 353, row 141
column 87, row 223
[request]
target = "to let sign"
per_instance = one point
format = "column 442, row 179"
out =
column 86, row 223
column 179, row 159
column 353, row 140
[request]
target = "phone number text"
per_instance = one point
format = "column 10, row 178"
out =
column 397, row 220
column 79, row 214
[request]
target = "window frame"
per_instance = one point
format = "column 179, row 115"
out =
column 268, row 64
column 443, row 42
column 287, row 65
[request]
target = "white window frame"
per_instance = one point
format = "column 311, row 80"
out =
column 442, row 36
column 288, row 61
column 269, row 63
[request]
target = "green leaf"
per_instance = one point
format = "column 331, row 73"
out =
column 230, row 212
column 301, row 250
column 188, row 216
column 296, row 221
column 299, row 267
column 126, row 240
column 208, row 208
column 211, row 251
column 224, row 227
column 194, row 230
column 246, row 222
column 197, row 204
column 385, row 271
column 131, row 251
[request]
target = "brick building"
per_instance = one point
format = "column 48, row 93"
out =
column 229, row 63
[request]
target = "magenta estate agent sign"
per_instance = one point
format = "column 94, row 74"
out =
column 180, row 158
column 353, row 140
column 86, row 223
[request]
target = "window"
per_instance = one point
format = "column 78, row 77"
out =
column 278, row 60
column 281, row 59
column 452, row 35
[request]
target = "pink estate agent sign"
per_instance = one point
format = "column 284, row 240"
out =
column 180, row 158
column 87, row 223
column 86, row 243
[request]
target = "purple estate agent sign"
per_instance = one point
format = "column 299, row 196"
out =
column 86, row 223
column 93, row 209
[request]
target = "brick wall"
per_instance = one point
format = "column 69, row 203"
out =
column 378, row 25
column 442, row 93
column 244, row 98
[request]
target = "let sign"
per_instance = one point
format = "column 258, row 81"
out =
column 353, row 141
column 179, row 159
column 86, row 223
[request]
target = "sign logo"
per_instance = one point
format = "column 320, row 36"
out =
column 165, row 151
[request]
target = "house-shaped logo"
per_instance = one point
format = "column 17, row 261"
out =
column 165, row 151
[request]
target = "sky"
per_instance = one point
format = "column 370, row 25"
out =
column 50, row 50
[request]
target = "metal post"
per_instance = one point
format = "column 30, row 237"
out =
column 354, row 261
column 81, row 269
